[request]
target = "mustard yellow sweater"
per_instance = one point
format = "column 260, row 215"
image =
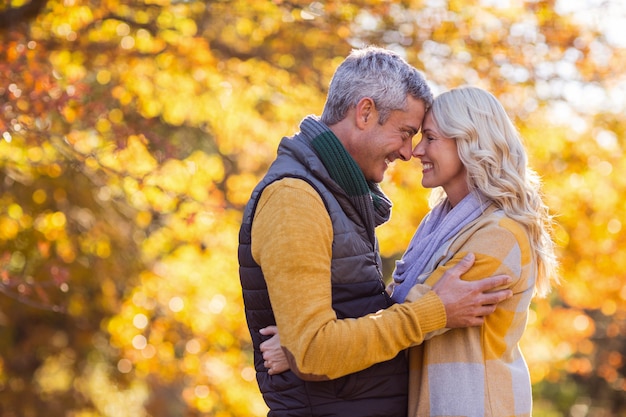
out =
column 291, row 240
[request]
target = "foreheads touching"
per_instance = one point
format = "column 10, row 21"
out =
column 379, row 74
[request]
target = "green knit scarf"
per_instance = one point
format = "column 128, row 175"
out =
column 340, row 165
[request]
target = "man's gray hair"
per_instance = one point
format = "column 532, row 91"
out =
column 377, row 73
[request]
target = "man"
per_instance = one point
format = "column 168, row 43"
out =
column 309, row 259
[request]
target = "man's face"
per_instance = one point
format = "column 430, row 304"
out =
column 379, row 145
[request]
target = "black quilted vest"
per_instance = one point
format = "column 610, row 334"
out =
column 357, row 290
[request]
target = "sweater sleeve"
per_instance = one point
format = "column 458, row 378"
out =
column 292, row 242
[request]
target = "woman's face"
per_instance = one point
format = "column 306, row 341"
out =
column 441, row 165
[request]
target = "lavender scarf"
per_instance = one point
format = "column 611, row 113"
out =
column 440, row 225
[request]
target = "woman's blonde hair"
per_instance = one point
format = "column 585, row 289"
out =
column 494, row 156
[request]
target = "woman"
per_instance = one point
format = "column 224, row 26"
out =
column 487, row 202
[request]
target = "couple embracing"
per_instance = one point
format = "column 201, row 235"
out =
column 430, row 343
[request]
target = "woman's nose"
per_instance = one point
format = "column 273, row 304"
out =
column 418, row 150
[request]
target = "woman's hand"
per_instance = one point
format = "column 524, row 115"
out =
column 274, row 358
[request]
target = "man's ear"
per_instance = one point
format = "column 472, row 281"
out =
column 365, row 112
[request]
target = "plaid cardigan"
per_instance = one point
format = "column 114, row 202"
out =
column 479, row 371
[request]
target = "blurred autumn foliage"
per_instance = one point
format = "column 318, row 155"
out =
column 131, row 133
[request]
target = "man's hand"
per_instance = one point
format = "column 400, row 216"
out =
column 468, row 302
column 274, row 358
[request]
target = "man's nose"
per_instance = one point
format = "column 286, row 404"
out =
column 405, row 151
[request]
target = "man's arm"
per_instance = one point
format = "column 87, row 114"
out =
column 467, row 301
column 466, row 304
column 292, row 241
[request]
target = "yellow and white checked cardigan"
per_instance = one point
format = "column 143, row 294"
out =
column 479, row 371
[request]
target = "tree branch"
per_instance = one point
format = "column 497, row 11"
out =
column 16, row 15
